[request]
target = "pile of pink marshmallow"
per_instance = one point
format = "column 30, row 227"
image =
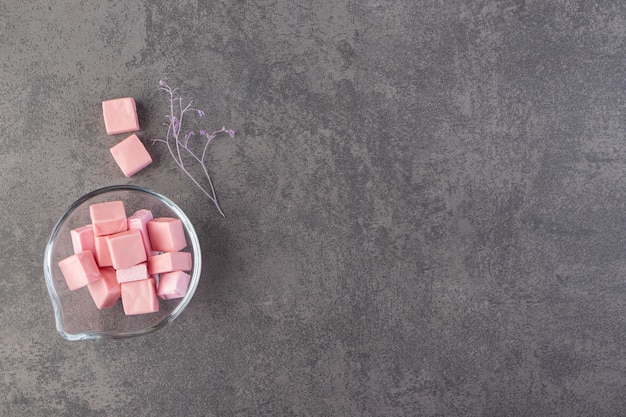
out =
column 138, row 258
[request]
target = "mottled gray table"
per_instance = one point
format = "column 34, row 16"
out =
column 425, row 205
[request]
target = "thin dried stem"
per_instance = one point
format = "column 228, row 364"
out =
column 174, row 126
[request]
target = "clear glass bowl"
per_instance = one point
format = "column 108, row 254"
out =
column 76, row 314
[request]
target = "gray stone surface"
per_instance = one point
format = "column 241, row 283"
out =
column 425, row 205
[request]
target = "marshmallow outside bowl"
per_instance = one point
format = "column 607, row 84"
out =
column 75, row 313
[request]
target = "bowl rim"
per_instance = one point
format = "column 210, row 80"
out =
column 193, row 283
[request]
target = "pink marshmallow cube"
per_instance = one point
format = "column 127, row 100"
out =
column 139, row 221
column 79, row 270
column 102, row 255
column 126, row 249
column 168, row 262
column 139, row 297
column 106, row 291
column 83, row 239
column 167, row 234
column 131, row 156
column 132, row 273
column 108, row 218
column 120, row 115
column 173, row 285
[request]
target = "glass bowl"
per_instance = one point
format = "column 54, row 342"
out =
column 75, row 312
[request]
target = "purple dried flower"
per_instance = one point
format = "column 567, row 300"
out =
column 173, row 132
column 175, row 123
column 187, row 136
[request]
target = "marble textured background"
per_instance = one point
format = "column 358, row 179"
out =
column 425, row 205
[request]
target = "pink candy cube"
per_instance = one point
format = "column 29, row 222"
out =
column 139, row 221
column 102, row 255
column 132, row 273
column 120, row 115
column 173, row 285
column 79, row 270
column 108, row 218
column 126, row 249
column 139, row 297
column 131, row 156
column 167, row 234
column 106, row 291
column 168, row 262
column 83, row 239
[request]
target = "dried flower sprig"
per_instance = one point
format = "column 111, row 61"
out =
column 174, row 126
